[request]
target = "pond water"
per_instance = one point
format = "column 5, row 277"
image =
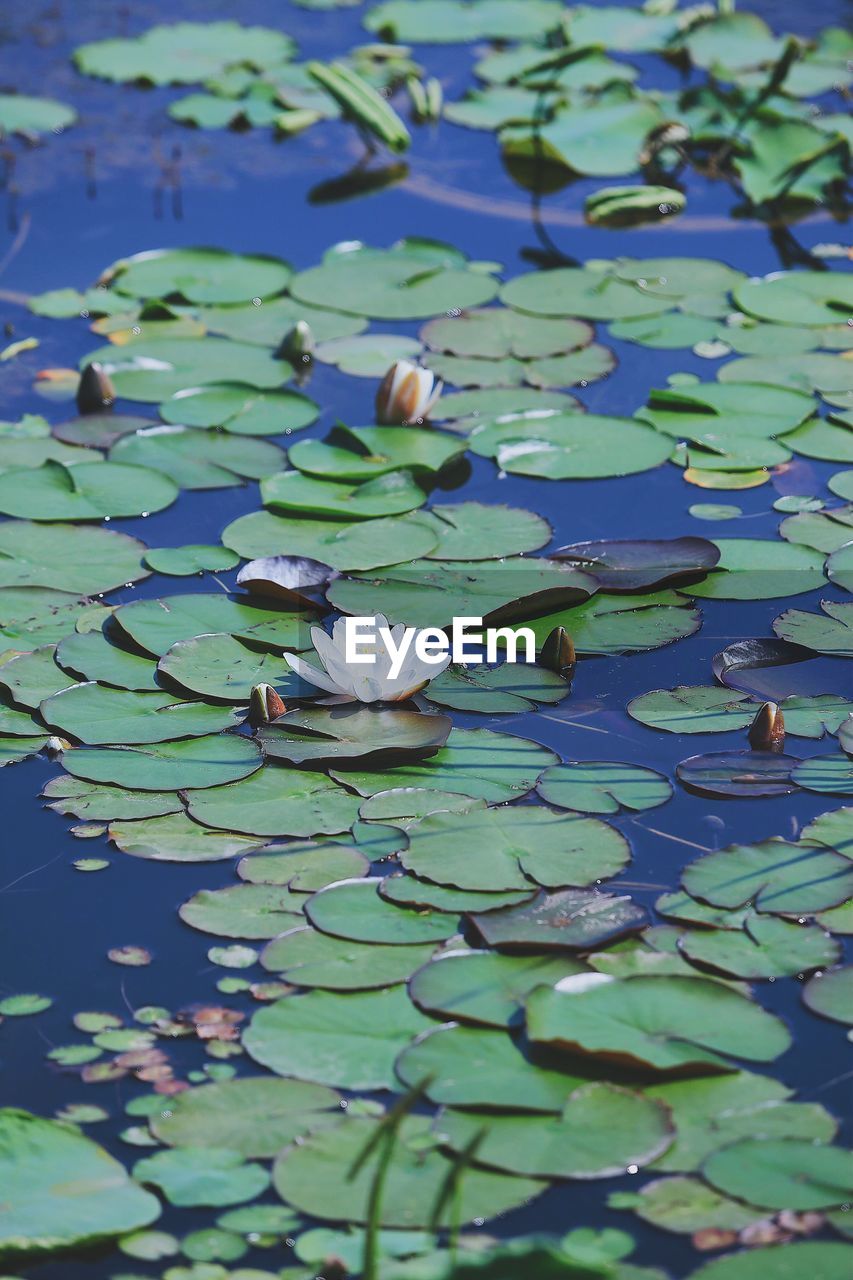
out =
column 126, row 179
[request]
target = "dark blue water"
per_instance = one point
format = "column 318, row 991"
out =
column 126, row 179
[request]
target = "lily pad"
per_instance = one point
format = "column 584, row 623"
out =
column 33, row 116
column 278, row 802
column 570, row 446
column 685, row 1205
column 243, row 911
column 831, row 633
column 764, row 948
column 305, row 865
column 666, row 1023
column 255, row 1116
column 393, row 493
column 353, row 909
column 182, row 562
column 601, row 1130
column 485, row 987
column 175, row 838
column 155, row 625
column 193, row 1176
column 191, row 762
column 475, row 531
column 204, row 275
column 738, row 773
column 757, row 569
column 239, row 409
column 349, row 1041
column 774, row 876
column 62, row 1189
column 309, row 958
column 197, row 459
column 153, row 370
column 832, row 775
column 221, row 666
column 95, row 714
column 104, row 803
column 510, row 687
column 829, row 1260
column 84, row 491
column 617, row 624
column 448, row 21
column 829, row 994
column 92, row 655
column 83, row 560
column 313, row 1177
column 343, row 544
column 642, row 565
column 786, row 1174
column 321, row 736
column 570, row 919
column 603, row 787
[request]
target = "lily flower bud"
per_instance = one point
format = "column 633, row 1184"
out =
column 55, row 746
column 406, row 394
column 95, row 391
column 264, row 705
column 297, row 345
column 558, row 653
column 767, row 731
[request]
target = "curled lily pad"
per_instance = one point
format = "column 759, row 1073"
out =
column 739, row 773
column 285, row 578
column 731, row 665
column 603, row 787
column 95, row 714
column 313, row 1177
column 601, row 1130
column 349, row 1041
column 323, row 735
column 667, row 1023
column 642, row 565
column 570, row 919
column 43, row 1162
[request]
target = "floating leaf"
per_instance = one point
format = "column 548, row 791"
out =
column 738, row 773
column 618, row 624
column 255, row 1116
column 603, row 787
column 348, row 1041
column 642, row 565
column 305, row 865
column 83, row 560
column 175, row 838
column 93, row 655
column 62, row 1189
column 832, row 775
column 570, row 446
column 755, row 569
column 221, row 666
column 197, row 459
column 95, row 714
column 308, row 958
column 277, row 802
column 787, row 1174
column 193, row 1176
column 155, row 369
column 829, row 994
column 239, row 409
column 313, row 1177
column 448, row 21
column 831, row 634
column 353, row 909
column 764, row 948
column 104, row 803
column 181, row 562
column 773, row 875
column 242, row 911
column 155, row 625
column 192, row 762
column 685, row 1205
column 669, row 1024
column 32, row 116
column 322, row 736
column 511, row 687
column 574, row 919
column 345, row 545
column 485, row 987
column 827, row 1259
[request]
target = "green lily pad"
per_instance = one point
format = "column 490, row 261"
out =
column 62, row 1189
column 92, row 655
column 342, row 544
column 715, row 1111
column 23, row 1006
column 243, row 911
column 239, row 409
column 267, row 324
column 156, row 625
column 193, row 1176
column 508, row 688
column 475, row 762
column 797, row 297
column 255, row 1116
column 32, row 116
column 321, row 736
column 693, row 709
column 84, row 491
column 617, row 624
column 787, row 1174
column 448, row 21
column 774, row 876
column 601, row 1130
column 497, row 332
column 32, row 677
column 829, row 994
column 95, row 714
column 376, row 451
column 83, row 560
column 412, row 891
column 504, row 848
column 190, row 762
column 198, row 459
column 573, row 291
column 104, row 803
column 305, row 865
column 738, row 773
column 174, row 837
column 474, row 531
column 412, row 280
column 313, row 1177
column 393, row 493
column 308, row 958
column 182, row 562
column 759, row 569
column 154, row 370
column 204, row 275
column 780, row 1262
column 485, row 987
column 367, row 355
column 601, row 140
column 764, row 948
column 181, row 54
column 831, row 633
column 12, row 750
column 832, row 775
column 470, row 1067
column 278, row 802
column 349, row 1041
column 571, row 446
column 665, row 1023
column 216, row 665
column 684, row 1205
column 570, row 919
column 603, row 787
column 353, row 909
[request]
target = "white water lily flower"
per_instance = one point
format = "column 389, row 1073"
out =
column 363, row 682
column 406, row 394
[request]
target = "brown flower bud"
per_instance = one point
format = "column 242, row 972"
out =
column 95, row 391
column 558, row 653
column 406, row 394
column 264, row 705
column 767, row 731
